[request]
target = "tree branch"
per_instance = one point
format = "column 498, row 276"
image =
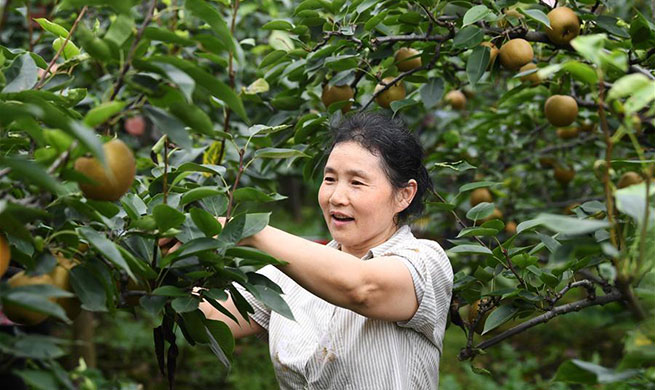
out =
column 403, row 75
column 130, row 56
column 410, row 38
column 61, row 49
column 467, row 353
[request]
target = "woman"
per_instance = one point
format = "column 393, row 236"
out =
column 371, row 306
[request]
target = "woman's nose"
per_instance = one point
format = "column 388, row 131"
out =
column 338, row 195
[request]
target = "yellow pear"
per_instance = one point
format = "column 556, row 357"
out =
column 21, row 315
column 564, row 25
column 561, row 110
column 480, row 195
column 515, row 53
column 337, row 93
column 629, row 178
column 61, row 278
column 5, row 255
column 532, row 78
column 493, row 51
column 456, row 99
column 393, row 93
column 407, row 59
column 564, row 175
column 112, row 183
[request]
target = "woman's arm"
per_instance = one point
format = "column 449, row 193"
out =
column 242, row 329
column 238, row 330
column 380, row 288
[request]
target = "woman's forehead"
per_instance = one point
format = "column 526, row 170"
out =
column 351, row 156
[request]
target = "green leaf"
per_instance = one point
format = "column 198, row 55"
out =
column 169, row 125
column 477, row 63
column 163, row 35
column 476, row 231
column 216, row 87
column 628, row 84
column 193, row 116
column 194, row 247
column 640, row 98
column 36, row 298
column 105, row 247
column 38, row 379
column 279, row 153
column 185, row 304
column 481, row 210
column 167, row 217
column 52, row 27
column 254, row 194
column 568, row 225
column 169, row 291
column 270, row 299
column 278, row 25
column 215, row 205
column 32, row 172
column 432, row 92
column 205, row 11
column 581, row 72
column 475, row 14
column 609, row 24
column 21, row 74
column 468, row 37
column 120, row 29
column 252, row 257
column 470, row 249
column 195, row 326
column 642, row 32
column 499, row 317
column 590, row 46
column 206, row 222
column 478, row 184
column 100, row 114
column 570, row 372
column 536, row 15
column 88, row 288
column 221, row 341
column 198, row 193
column 632, row 201
column 254, row 223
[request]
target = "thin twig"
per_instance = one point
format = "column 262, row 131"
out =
column 61, row 49
column 403, row 75
column 231, row 74
column 61, row 160
column 410, row 38
column 130, row 56
column 230, row 202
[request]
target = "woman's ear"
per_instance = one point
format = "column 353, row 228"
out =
column 406, row 194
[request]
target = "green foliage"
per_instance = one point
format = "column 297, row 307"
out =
column 221, row 100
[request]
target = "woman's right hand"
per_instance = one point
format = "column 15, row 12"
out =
column 168, row 245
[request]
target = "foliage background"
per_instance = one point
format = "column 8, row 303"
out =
column 230, row 93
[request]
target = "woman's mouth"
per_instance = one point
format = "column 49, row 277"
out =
column 341, row 219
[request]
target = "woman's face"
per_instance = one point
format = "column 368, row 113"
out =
column 357, row 199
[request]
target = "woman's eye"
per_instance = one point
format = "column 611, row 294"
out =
column 357, row 183
column 328, row 179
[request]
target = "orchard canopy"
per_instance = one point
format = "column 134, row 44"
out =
column 126, row 122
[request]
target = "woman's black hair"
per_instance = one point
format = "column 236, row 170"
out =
column 400, row 150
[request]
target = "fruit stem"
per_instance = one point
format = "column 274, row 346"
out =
column 231, row 73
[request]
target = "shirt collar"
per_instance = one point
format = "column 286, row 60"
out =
column 401, row 234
